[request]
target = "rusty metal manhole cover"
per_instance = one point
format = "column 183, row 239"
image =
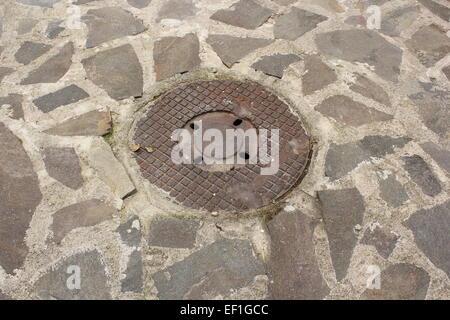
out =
column 222, row 105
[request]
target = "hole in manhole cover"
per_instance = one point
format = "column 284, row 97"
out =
column 222, row 145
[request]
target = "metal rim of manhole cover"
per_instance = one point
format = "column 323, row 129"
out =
column 250, row 180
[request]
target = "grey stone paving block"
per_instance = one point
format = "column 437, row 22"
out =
column 19, row 197
column 53, row 69
column 174, row 55
column 438, row 154
column 398, row 20
column 284, row 2
column 430, row 44
column 106, row 24
column 317, row 75
column 234, row 258
column 83, row 1
column 63, row 165
column 24, row 26
column 94, row 123
column 244, row 13
column 352, row 113
column 400, row 282
column 53, row 29
column 140, row 4
column 430, row 228
column 446, row 71
column 93, row 285
column 382, row 239
column 39, row 3
column 177, row 9
column 276, row 64
column 117, row 71
column 232, row 49
column 293, row 270
column 436, row 8
column 134, row 274
column 422, row 175
column 392, row 191
column 130, row 232
column 365, row 46
column 5, row 71
column 62, row 97
column 173, row 233
column 15, row 101
column 296, row 23
column 342, row 210
column 83, row 214
column 370, row 89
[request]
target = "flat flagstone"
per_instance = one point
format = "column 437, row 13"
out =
column 293, row 269
column 430, row 44
column 392, row 191
column 284, row 2
column 140, row 4
column 117, row 71
column 173, row 233
column 276, row 64
column 244, row 13
column 93, row 123
column 54, row 29
column 94, row 282
column 134, row 274
column 83, row 214
column 332, row 6
column 296, row 23
column 15, row 102
column 438, row 9
column 5, row 71
column 422, row 175
column 54, row 68
column 393, row 23
column 317, row 75
column 352, row 113
column 232, row 49
column 39, row 3
column 342, row 210
column 62, row 97
column 438, row 154
column 364, row 46
column 430, row 228
column 174, row 55
column 370, row 89
column 83, row 1
column 25, row 26
column 106, row 24
column 177, row 9
column 446, row 71
column 382, row 239
column 19, row 196
column 130, row 232
column 63, row 165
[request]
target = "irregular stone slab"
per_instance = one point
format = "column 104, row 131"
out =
column 39, row 3
column 15, row 101
column 365, row 46
column 24, row 26
column 106, row 24
column 130, row 232
column 329, row 5
column 19, row 197
column 232, row 49
column 63, row 165
column 54, row 68
column 352, row 113
column 430, row 228
column 398, row 20
column 296, row 23
column 84, row 214
column 234, row 257
column 94, row 123
column 341, row 159
column 317, row 75
column 140, row 4
column 53, row 29
column 370, row 89
column 383, row 240
column 293, row 270
column 341, row 210
column 4, row 71
column 62, row 97
column 284, row 2
column 244, row 14
column 172, row 233
column 446, row 71
column 393, row 192
column 441, row 11
column 440, row 155
column 430, row 44
column 422, row 175
column 432, row 102
column 94, row 282
column 177, row 9
column 117, row 71
column 400, row 282
column 84, row 1
column 134, row 274
column 174, row 55
column 109, row 169
column 276, row 64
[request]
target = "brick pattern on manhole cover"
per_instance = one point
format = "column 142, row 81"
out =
column 240, row 189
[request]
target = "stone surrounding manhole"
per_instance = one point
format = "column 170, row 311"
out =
column 276, row 64
column 172, row 233
column 223, row 105
column 245, row 14
column 94, row 123
column 317, row 75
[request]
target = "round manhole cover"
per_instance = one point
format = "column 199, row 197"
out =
column 222, row 145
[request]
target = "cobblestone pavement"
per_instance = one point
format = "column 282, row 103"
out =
column 77, row 221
